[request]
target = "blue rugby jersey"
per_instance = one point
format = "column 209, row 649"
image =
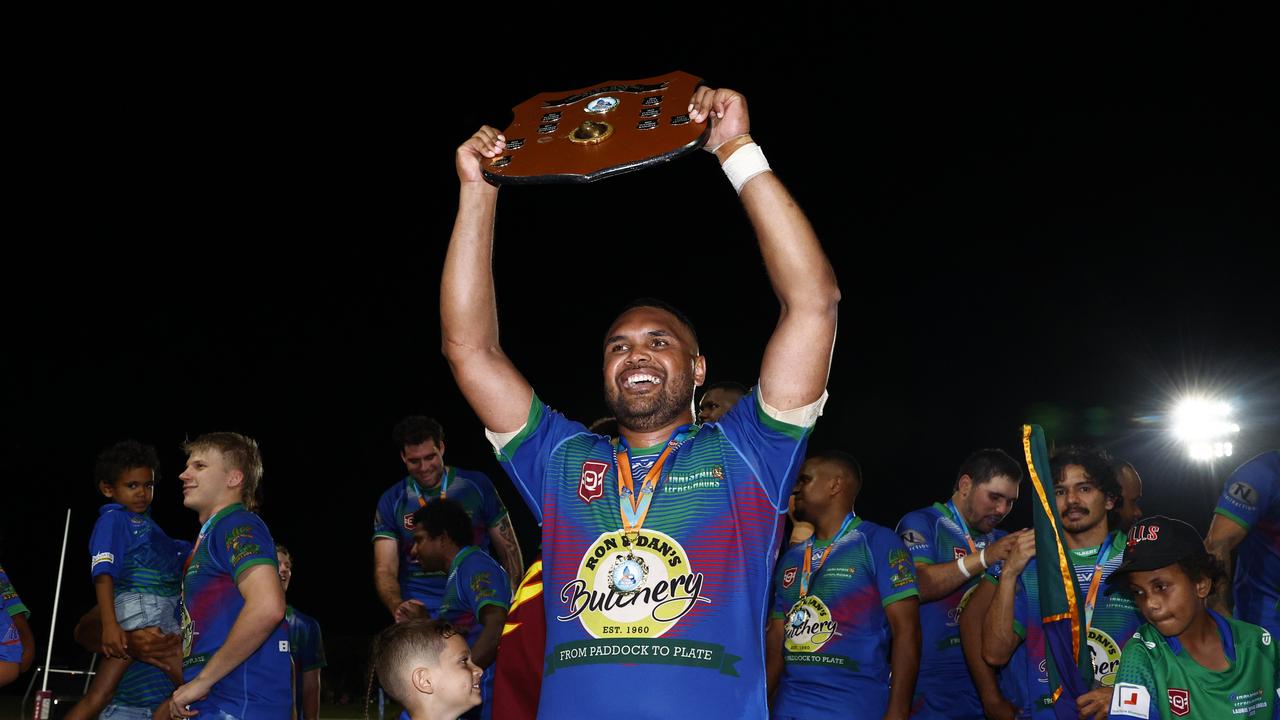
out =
column 135, row 552
column 9, row 599
column 307, row 647
column 945, row 689
column 475, row 580
column 837, row 640
column 1115, row 618
column 1251, row 498
column 142, row 686
column 231, row 542
column 673, row 620
column 394, row 519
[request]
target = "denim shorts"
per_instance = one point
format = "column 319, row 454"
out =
column 125, row 712
column 139, row 610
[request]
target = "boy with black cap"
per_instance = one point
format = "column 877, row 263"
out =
column 1187, row 661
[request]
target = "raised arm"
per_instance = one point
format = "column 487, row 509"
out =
column 1224, row 535
column 497, row 392
column 798, row 357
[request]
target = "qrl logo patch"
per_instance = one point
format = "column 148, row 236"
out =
column 788, row 577
column 408, row 521
column 959, row 553
column 591, row 483
column 1179, row 701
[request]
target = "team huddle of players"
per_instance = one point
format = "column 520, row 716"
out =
column 664, row 584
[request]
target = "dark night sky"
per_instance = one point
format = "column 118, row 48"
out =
column 1056, row 219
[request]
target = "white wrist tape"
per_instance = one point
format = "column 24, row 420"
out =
column 745, row 163
column 963, row 570
column 983, row 557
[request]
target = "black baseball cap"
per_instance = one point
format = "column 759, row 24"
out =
column 1155, row 542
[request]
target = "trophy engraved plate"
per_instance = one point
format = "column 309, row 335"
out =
column 598, row 131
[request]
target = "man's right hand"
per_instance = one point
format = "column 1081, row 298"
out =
column 151, row 646
column 999, row 550
column 1024, row 548
column 486, row 143
column 411, row 610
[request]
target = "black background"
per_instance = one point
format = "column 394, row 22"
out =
column 239, row 224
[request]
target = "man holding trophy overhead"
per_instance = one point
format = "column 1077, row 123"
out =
column 657, row 550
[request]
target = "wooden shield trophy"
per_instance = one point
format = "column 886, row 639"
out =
column 583, row 135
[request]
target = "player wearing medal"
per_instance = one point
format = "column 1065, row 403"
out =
column 1188, row 662
column 236, row 658
column 845, row 601
column 396, row 573
column 657, row 551
column 1248, row 518
column 1087, row 495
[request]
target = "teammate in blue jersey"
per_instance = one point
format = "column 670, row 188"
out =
column 306, row 645
column 235, row 642
column 951, row 545
column 477, row 594
column 141, row 689
column 657, row 550
column 1248, row 519
column 16, row 612
column 136, row 568
column 398, row 577
column 1087, row 497
column 10, row 651
column 845, row 601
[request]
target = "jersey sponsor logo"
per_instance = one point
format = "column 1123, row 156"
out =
column 1104, row 653
column 953, row 615
column 591, row 482
column 652, row 589
column 283, row 646
column 904, row 571
column 1179, row 701
column 1243, row 493
column 408, row 521
column 809, row 625
column 789, row 576
column 1130, row 701
column 959, row 553
column 1266, row 637
column 911, row 538
column 1043, row 668
column 102, row 557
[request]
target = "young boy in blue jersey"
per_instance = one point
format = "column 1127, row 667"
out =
column 477, row 593
column 136, row 567
column 1188, row 662
column 306, row 645
column 425, row 665
column 236, row 660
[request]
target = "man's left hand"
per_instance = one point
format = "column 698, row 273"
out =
column 411, row 610
column 1094, row 704
column 192, row 692
column 728, row 107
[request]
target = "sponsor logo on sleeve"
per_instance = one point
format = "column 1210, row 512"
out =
column 913, row 539
column 959, row 553
column 102, row 557
column 1130, row 701
column 1243, row 493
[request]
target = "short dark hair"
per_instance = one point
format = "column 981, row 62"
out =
column 399, row 645
column 1201, row 565
column 732, row 385
column 1100, row 470
column 983, row 465
column 122, row 457
column 444, row 516
column 845, row 460
column 651, row 302
column 280, row 548
column 415, row 430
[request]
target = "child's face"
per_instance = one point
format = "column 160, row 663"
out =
column 286, row 569
column 1168, row 599
column 455, row 680
column 133, row 488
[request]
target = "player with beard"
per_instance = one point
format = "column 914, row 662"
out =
column 657, row 550
column 951, row 545
column 1088, row 499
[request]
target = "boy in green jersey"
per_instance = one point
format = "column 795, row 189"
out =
column 1187, row 661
